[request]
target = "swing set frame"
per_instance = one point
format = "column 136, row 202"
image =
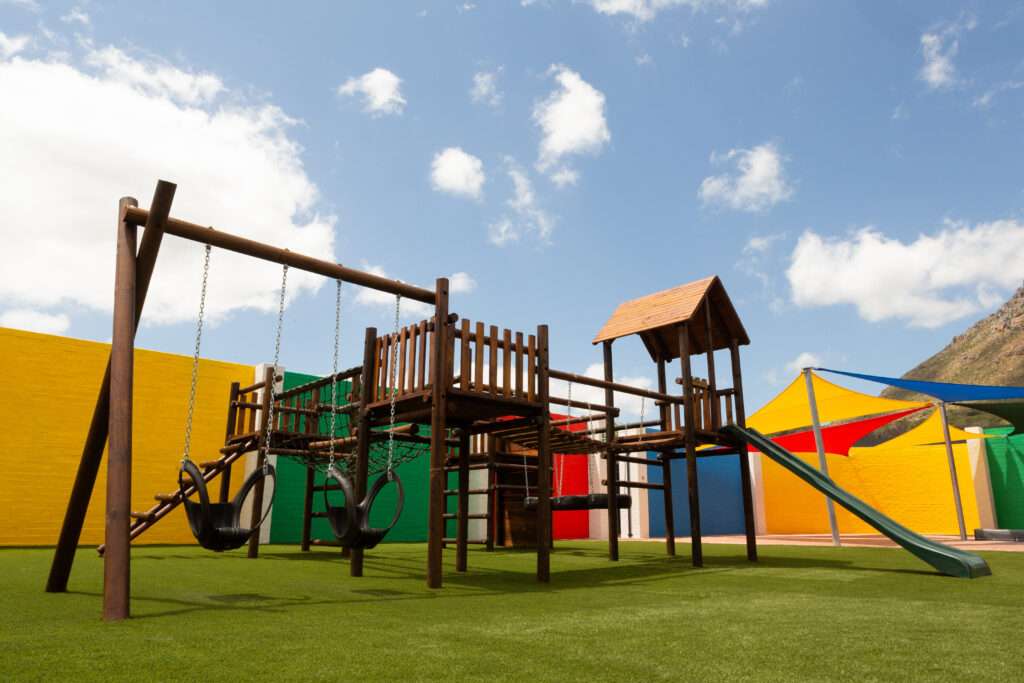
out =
column 112, row 416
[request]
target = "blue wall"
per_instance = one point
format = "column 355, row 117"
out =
column 721, row 500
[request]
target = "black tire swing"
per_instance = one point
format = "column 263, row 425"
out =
column 572, row 503
column 218, row 526
column 350, row 522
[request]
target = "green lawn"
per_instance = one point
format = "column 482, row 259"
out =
column 799, row 614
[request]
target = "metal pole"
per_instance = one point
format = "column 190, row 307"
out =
column 819, row 443
column 957, row 503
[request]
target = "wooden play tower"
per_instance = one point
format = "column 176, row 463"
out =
column 439, row 384
column 691, row 319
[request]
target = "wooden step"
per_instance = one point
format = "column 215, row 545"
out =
column 475, row 515
column 472, row 492
column 166, row 497
column 147, row 516
column 473, row 541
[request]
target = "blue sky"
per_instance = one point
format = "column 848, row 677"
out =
column 851, row 171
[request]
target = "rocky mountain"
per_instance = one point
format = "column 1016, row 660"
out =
column 990, row 352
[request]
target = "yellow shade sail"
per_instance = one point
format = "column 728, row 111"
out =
column 791, row 409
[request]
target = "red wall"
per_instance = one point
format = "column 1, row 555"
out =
column 574, row 481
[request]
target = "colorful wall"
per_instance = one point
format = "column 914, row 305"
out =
column 286, row 518
column 721, row 498
column 911, row 485
column 52, row 384
column 1006, row 472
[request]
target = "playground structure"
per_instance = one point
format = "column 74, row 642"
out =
column 458, row 381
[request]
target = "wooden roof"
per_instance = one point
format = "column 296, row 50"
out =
column 656, row 317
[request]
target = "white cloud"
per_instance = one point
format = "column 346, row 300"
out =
column 565, row 176
column 758, row 183
column 528, row 217
column 933, row 280
column 12, row 45
column 757, row 261
column 938, row 49
column 900, row 113
column 761, row 243
column 629, row 405
column 381, row 91
column 485, row 88
column 984, row 101
column 457, row 172
column 461, row 283
column 76, row 14
column 156, row 78
column 806, row 359
column 646, row 10
column 503, row 232
column 458, row 283
column 643, row 60
column 35, row 321
column 571, row 119
column 75, row 140
column 466, row 7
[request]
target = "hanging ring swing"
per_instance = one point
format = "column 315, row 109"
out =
column 217, row 526
column 351, row 522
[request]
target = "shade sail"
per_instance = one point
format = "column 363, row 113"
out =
column 944, row 391
column 791, row 409
column 1011, row 411
column 929, row 432
column 838, row 439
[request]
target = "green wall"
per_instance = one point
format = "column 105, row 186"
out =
column 1006, row 469
column 286, row 523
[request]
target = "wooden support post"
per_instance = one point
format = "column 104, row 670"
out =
column 716, row 408
column 225, row 476
column 117, row 558
column 666, row 472
column 612, row 462
column 368, row 388
column 440, row 378
column 487, row 443
column 691, row 445
column 741, row 420
column 92, row 450
column 462, row 523
column 543, row 460
column 267, row 397
column 307, row 509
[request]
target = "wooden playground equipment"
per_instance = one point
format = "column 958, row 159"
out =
column 441, row 383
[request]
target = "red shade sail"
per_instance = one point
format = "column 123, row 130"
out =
column 838, row 439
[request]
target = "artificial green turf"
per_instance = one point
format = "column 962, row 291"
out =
column 799, row 614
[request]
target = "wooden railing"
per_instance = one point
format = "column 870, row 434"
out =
column 500, row 364
column 297, row 411
column 480, row 359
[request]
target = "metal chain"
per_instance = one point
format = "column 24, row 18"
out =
column 273, row 374
column 334, row 370
column 561, row 470
column 195, row 357
column 394, row 380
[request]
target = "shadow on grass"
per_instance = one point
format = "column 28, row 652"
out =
column 484, row 580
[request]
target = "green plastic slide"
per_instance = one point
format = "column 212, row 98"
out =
column 948, row 560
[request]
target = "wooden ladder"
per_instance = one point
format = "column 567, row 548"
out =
column 166, row 502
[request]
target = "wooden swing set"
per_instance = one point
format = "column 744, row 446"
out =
column 465, row 381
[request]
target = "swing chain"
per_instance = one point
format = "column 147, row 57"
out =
column 334, row 371
column 394, row 380
column 195, row 357
column 273, row 376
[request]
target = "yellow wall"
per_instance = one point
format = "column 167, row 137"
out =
column 911, row 485
column 47, row 404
